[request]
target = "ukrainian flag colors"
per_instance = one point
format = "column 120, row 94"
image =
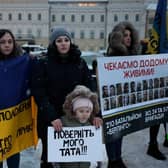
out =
column 17, row 119
column 158, row 40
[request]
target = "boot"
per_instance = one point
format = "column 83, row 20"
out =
column 46, row 165
column 110, row 164
column 153, row 151
column 166, row 141
column 116, row 164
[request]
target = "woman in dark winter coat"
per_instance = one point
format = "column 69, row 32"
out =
column 53, row 79
column 122, row 41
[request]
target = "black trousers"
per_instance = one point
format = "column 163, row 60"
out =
column 42, row 134
column 153, row 132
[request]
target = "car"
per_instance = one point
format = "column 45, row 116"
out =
column 89, row 57
column 34, row 50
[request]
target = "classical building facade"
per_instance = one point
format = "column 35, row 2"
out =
column 89, row 22
column 27, row 19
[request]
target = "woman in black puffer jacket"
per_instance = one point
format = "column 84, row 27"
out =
column 53, row 79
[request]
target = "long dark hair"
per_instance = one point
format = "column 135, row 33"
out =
column 15, row 52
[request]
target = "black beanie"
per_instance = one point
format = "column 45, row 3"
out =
column 59, row 32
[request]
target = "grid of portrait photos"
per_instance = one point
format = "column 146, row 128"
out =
column 128, row 93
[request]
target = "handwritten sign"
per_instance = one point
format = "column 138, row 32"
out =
column 75, row 144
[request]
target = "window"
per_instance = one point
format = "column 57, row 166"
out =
column 92, row 18
column 29, row 16
column 72, row 35
column 92, row 34
column 72, row 18
column 9, row 16
column 53, row 18
column 19, row 33
column 29, row 33
column 102, row 48
column 102, row 18
column 38, row 33
column 63, row 18
column 91, row 48
column 151, row 20
column 126, row 17
column 115, row 18
column 39, row 17
column 19, row 16
column 82, row 34
column 137, row 17
column 0, row 16
column 101, row 35
column 82, row 18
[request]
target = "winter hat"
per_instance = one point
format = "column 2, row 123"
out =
column 82, row 102
column 59, row 32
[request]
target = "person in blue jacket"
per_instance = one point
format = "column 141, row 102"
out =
column 9, row 52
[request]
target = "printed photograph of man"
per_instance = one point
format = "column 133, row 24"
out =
column 106, row 104
column 119, row 101
column 162, row 83
column 145, row 95
column 150, row 83
column 132, row 98
column 139, row 97
column 150, row 94
column 162, row 93
column 125, row 99
column 119, row 88
column 126, row 87
column 113, row 102
column 112, row 90
column 145, row 85
column 105, row 91
column 132, row 85
column 156, row 83
column 156, row 94
column 139, row 86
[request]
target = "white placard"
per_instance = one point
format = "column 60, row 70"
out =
column 75, row 144
column 128, row 82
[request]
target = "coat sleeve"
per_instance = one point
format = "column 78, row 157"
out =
column 39, row 89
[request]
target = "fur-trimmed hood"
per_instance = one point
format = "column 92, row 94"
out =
column 84, row 92
column 115, row 40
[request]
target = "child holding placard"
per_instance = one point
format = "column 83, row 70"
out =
column 80, row 107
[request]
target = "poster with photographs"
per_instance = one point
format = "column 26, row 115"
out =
column 133, row 92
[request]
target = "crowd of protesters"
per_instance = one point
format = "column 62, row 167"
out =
column 57, row 75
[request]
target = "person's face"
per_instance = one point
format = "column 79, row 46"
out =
column 6, row 44
column 127, row 38
column 145, row 95
column 83, row 114
column 63, row 44
column 105, row 104
column 112, row 90
column 105, row 89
